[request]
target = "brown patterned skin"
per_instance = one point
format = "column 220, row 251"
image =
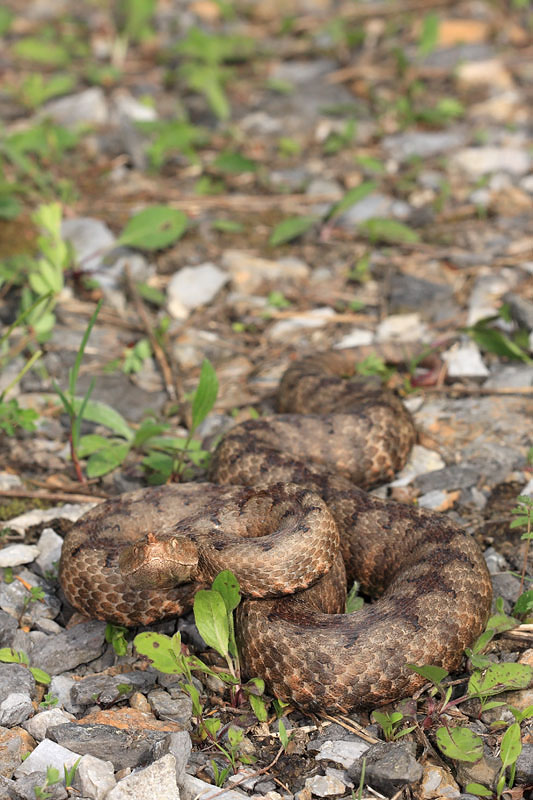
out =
column 431, row 580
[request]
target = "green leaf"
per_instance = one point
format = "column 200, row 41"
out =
column 430, row 34
column 258, row 707
column 90, row 443
column 284, row 739
column 158, row 648
column 40, row 675
column 106, row 460
column 500, row 678
column 154, row 228
column 352, row 197
column 495, row 341
column 524, row 604
column 388, row 230
column 6, row 17
column 290, row 229
column 205, row 395
column 212, row 620
column 228, row 226
column 73, row 373
column 431, row 673
column 11, row 656
column 101, row 413
column 477, row 788
column 41, row 52
column 461, row 744
column 234, row 163
column 151, row 294
column 227, row 585
column 511, row 745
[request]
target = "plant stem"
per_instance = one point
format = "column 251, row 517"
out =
column 526, row 552
column 75, row 460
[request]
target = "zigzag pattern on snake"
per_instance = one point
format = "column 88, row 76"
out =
column 299, row 480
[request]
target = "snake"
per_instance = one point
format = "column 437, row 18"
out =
column 287, row 508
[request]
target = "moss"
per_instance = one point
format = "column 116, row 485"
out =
column 12, row 507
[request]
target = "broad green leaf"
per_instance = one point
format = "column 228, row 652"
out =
column 500, row 678
column 212, row 620
column 228, row 226
column 101, row 413
column 431, row 673
column 92, row 442
column 40, row 675
column 6, row 17
column 430, row 34
column 227, row 585
column 477, row 788
column 258, row 707
column 511, row 745
column 158, row 648
column 151, row 294
column 524, row 604
column 154, row 228
column 205, row 395
column 41, row 52
column 290, row 229
column 11, row 656
column 388, row 230
column 234, row 163
column 106, row 460
column 461, row 744
column 147, row 430
column 495, row 341
column 283, row 737
column 352, row 197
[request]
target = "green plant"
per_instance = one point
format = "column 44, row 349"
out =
column 524, row 516
column 116, row 636
column 337, row 140
column 390, row 722
column 10, row 656
column 173, row 138
column 289, row 229
column 35, row 89
column 49, row 701
column 76, row 407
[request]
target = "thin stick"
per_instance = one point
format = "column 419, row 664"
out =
column 52, row 496
column 351, row 726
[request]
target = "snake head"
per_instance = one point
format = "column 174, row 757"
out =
column 155, row 563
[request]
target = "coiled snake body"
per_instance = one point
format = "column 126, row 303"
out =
column 299, row 480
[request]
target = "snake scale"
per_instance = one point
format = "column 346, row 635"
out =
column 295, row 521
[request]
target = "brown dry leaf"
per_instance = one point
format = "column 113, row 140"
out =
column 462, row 31
column 206, row 10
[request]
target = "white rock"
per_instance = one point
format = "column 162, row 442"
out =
column 158, row 781
column 433, row 500
column 528, row 489
column 316, row 318
column 87, row 107
column 345, row 753
column 356, row 338
column 477, row 161
column 15, row 554
column 95, row 778
column 192, row 788
column 485, row 297
column 491, row 72
column 402, row 328
column 69, row 511
column 49, row 546
column 39, row 724
column 325, row 785
column 128, row 106
column 193, row 287
column 7, row 480
column 421, row 460
column 249, row 273
column 464, row 361
column 91, row 239
column 438, row 784
column 47, row 753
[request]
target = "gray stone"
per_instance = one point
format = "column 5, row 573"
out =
column 94, row 777
column 7, row 789
column 424, row 144
column 507, row 586
column 316, row 318
column 15, row 678
column 464, row 361
column 67, row 650
column 69, row 511
column 389, row 767
column 342, row 752
column 157, row 780
column 108, row 689
column 15, row 554
column 507, row 376
column 193, row 287
column 8, row 628
column 84, row 108
column 177, row 709
column 61, row 687
column 24, row 789
column 402, row 328
column 373, row 205
column 49, row 546
column 180, row 745
column 409, row 293
column 449, row 478
column 47, row 753
column 15, row 708
column 38, row 725
column 124, row 748
column 524, row 764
